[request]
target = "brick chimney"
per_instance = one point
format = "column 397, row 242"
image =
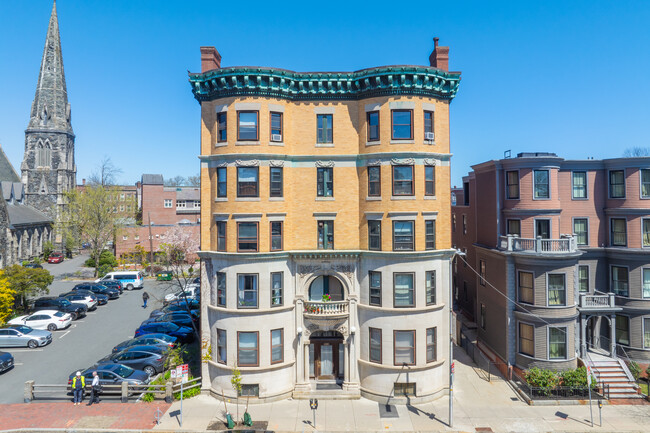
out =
column 210, row 59
column 439, row 57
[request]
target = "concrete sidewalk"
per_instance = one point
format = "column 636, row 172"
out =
column 478, row 406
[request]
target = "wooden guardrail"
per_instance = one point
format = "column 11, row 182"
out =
column 124, row 390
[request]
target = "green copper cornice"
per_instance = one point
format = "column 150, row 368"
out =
column 366, row 83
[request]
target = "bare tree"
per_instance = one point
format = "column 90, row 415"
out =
column 175, row 181
column 105, row 174
column 194, row 180
column 636, row 151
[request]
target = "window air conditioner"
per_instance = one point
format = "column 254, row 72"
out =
column 429, row 136
column 276, row 137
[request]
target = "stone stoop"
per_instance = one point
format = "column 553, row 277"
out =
column 612, row 373
column 326, row 390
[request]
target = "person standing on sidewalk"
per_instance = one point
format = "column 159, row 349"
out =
column 94, row 390
column 78, row 385
column 145, row 298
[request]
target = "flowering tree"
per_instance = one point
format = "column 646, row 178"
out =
column 180, row 248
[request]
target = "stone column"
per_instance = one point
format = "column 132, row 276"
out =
column 612, row 327
column 583, row 336
column 346, row 362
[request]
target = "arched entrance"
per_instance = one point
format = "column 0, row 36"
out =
column 326, row 285
column 598, row 335
column 326, row 355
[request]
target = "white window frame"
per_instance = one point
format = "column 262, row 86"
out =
column 548, row 342
column 573, row 228
column 586, row 197
column 642, row 269
column 548, row 173
column 643, row 319
column 642, row 243
column 181, row 204
column 578, row 266
column 566, row 290
column 641, row 196
column 168, row 203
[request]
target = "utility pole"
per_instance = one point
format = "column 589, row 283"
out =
column 150, row 243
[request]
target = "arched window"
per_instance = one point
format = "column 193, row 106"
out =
column 43, row 154
column 326, row 285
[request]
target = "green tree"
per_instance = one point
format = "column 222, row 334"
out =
column 27, row 282
column 92, row 214
column 235, row 381
column 6, row 298
column 48, row 248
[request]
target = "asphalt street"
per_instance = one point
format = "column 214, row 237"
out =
column 84, row 342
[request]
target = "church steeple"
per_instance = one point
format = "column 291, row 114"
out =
column 50, row 109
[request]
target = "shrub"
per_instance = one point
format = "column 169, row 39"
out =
column 542, row 378
column 647, row 373
column 577, row 377
column 634, row 369
column 103, row 270
column 188, row 393
column 48, row 248
column 105, row 258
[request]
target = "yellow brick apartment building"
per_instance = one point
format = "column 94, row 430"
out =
column 325, row 229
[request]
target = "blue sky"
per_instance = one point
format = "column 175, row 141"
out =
column 569, row 77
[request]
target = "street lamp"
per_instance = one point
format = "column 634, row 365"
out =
column 451, row 339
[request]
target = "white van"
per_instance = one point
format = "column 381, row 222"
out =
column 130, row 279
column 191, row 291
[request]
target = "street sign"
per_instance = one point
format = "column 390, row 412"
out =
column 184, row 372
column 172, row 374
column 453, row 367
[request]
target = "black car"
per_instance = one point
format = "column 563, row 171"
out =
column 182, row 333
column 6, row 361
column 112, row 374
column 179, row 318
column 98, row 289
column 76, row 310
column 114, row 284
column 160, row 340
column 149, row 359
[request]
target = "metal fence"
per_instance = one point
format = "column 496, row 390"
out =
column 561, row 392
column 482, row 362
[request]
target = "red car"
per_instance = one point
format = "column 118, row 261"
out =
column 55, row 258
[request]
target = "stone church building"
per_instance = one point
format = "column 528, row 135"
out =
column 33, row 200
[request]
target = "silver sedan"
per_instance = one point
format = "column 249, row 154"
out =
column 21, row 335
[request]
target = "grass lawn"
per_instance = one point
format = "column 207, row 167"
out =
column 644, row 386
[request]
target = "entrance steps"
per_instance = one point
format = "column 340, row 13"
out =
column 612, row 373
column 326, row 390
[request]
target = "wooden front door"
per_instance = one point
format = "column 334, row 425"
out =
column 326, row 359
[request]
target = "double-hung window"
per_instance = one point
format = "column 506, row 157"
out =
column 326, row 235
column 430, row 287
column 556, row 290
column 541, row 186
column 428, row 125
column 374, row 285
column 276, row 126
column 248, row 181
column 403, row 180
column 324, row 128
column 221, row 289
column 375, row 345
column 623, row 330
column 579, row 181
column 277, row 346
column 373, row 125
column 374, row 235
column 403, row 290
column 324, row 181
column 646, row 284
column 526, row 287
column 221, row 235
column 403, row 235
column 276, row 289
column 402, row 124
column 374, row 181
column 526, row 339
column 168, row 203
column 430, row 235
column 646, row 232
column 617, row 184
column 429, row 180
column 581, row 230
column 557, row 342
column 514, row 227
column 222, row 127
column 247, row 125
column 512, row 185
column 247, row 290
column 276, row 182
column 247, row 349
column 247, row 238
column 432, row 353
column 645, row 183
column 222, row 182
column 404, row 347
column 646, row 332
column 618, row 232
column 620, row 280
column 276, row 235
column 583, row 278
column 222, row 357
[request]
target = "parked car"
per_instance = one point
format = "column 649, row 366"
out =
column 114, row 284
column 190, row 292
column 55, row 258
column 88, row 299
column 98, row 289
column 161, row 340
column 33, row 266
column 75, row 310
column 21, row 335
column 6, row 361
column 112, row 374
column 180, row 318
column 180, row 305
column 129, row 279
column 150, row 359
column 44, row 319
column 182, row 333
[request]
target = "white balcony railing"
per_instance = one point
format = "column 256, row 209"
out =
column 598, row 301
column 331, row 308
column 566, row 244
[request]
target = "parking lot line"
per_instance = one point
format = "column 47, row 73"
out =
column 64, row 334
column 26, row 350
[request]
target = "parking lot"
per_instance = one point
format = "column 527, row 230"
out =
column 83, row 343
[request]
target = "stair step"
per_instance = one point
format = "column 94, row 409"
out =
column 625, row 395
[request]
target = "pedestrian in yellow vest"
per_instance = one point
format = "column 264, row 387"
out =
column 78, row 385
